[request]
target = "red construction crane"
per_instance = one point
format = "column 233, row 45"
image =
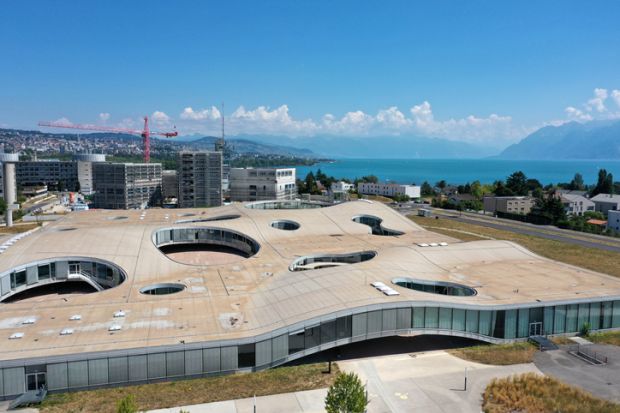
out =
column 145, row 133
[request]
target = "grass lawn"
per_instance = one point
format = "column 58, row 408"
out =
column 497, row 354
column 608, row 337
column 187, row 392
column 532, row 393
column 591, row 258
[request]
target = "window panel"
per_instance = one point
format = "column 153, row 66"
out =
column 471, row 323
column 458, row 319
column 431, row 319
column 523, row 328
column 559, row 322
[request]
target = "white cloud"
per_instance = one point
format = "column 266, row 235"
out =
column 62, row 121
column 615, row 95
column 595, row 108
column 160, row 118
column 211, row 113
column 575, row 114
column 104, row 116
column 598, row 101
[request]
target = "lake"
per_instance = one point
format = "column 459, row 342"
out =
column 460, row 171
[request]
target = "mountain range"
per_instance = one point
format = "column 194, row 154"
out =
column 387, row 147
column 573, row 140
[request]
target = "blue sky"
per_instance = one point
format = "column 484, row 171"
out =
column 480, row 71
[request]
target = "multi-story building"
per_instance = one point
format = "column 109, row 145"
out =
column 606, row 202
column 200, row 179
column 385, row 189
column 509, row 204
column 126, row 185
column 169, row 184
column 262, row 184
column 613, row 220
column 57, row 175
column 85, row 170
column 576, row 204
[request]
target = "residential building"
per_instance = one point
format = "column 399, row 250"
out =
column 262, row 184
column 341, row 187
column 576, row 204
column 386, row 189
column 200, row 179
column 606, row 202
column 509, row 204
column 126, row 185
column 613, row 220
column 57, row 175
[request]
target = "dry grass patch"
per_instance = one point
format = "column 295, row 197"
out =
column 532, row 393
column 591, row 258
column 18, row 228
column 562, row 340
column 497, row 354
column 609, row 337
column 188, row 392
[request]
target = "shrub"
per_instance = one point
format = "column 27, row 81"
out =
column 585, row 329
column 127, row 405
column 346, row 395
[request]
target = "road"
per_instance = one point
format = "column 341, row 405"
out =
column 547, row 232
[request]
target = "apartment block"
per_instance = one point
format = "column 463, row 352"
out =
column 385, row 189
column 509, row 204
column 200, row 179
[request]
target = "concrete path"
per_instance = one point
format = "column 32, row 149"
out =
column 421, row 382
column 601, row 380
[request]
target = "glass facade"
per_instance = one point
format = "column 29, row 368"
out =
column 516, row 323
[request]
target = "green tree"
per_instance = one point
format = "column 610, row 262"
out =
column 517, row 183
column 441, row 184
column 577, row 183
column 605, row 183
column 476, row 189
column 500, row 189
column 346, row 395
column 127, row 405
column 426, row 189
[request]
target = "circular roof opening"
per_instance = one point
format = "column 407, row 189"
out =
column 318, row 261
column 187, row 214
column 285, row 225
column 117, row 218
column 204, row 245
column 435, row 287
column 162, row 289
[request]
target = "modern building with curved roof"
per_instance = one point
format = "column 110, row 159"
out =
column 168, row 294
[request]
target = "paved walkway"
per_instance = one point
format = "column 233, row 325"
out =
column 601, row 380
column 421, row 382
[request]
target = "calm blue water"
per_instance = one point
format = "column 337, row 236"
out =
column 460, row 171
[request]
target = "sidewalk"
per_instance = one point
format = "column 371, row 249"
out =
column 428, row 382
column 311, row 401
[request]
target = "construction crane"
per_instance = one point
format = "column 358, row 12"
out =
column 146, row 133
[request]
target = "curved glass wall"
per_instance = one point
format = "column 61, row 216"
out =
column 435, row 287
column 113, row 368
column 206, row 236
column 285, row 224
column 315, row 262
column 99, row 274
column 287, row 204
column 209, row 219
column 375, row 225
